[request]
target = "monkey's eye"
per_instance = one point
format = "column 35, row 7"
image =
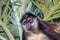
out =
column 30, row 20
column 24, row 21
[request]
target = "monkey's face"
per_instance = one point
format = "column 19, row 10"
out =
column 29, row 24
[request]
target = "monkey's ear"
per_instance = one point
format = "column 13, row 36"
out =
column 55, row 28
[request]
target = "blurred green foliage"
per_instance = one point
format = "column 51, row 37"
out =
column 47, row 10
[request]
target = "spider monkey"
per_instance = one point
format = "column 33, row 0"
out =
column 36, row 29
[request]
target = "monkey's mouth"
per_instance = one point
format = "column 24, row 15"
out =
column 29, row 28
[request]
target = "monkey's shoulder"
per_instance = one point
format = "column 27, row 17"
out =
column 54, row 26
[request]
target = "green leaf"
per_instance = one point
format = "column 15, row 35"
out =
column 42, row 7
column 55, row 16
column 52, row 10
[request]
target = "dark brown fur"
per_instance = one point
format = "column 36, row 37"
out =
column 47, row 28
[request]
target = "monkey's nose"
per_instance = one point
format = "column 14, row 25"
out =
column 28, row 26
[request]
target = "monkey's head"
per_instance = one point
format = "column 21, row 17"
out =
column 29, row 22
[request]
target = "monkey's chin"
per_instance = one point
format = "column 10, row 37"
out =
column 26, row 30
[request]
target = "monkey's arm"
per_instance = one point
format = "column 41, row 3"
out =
column 46, row 28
